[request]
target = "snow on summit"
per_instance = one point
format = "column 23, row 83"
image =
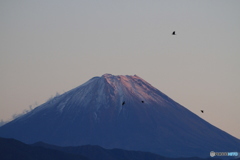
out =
column 99, row 91
column 129, row 86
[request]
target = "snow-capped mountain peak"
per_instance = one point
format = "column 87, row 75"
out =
column 120, row 112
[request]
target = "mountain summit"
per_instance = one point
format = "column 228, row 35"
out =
column 120, row 112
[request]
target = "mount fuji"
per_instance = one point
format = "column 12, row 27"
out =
column 120, row 112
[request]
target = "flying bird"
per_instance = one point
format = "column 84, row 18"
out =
column 173, row 33
column 142, row 101
column 202, row 111
column 123, row 103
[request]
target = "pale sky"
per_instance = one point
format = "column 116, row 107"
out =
column 54, row 46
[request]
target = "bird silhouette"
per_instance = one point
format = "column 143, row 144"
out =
column 202, row 111
column 173, row 33
column 123, row 103
column 142, row 101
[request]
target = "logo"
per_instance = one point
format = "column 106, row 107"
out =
column 212, row 153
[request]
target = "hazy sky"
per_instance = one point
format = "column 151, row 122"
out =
column 54, row 46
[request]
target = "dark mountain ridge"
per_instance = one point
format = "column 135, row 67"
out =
column 11, row 149
column 99, row 153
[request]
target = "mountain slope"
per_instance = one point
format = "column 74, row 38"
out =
column 120, row 112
